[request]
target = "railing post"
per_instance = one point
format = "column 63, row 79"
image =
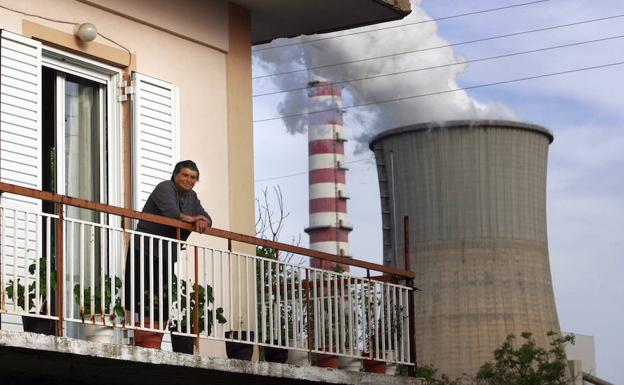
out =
column 411, row 304
column 197, row 305
column 308, row 324
column 369, row 321
column 59, row 269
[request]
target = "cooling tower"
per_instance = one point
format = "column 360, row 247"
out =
column 475, row 194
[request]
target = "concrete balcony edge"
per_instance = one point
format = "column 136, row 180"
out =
column 30, row 350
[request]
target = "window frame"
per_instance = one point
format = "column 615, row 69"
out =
column 110, row 76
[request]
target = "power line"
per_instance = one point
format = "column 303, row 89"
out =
column 448, row 91
column 305, row 172
column 450, row 64
column 404, row 25
column 495, row 37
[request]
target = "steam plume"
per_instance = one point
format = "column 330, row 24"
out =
column 365, row 122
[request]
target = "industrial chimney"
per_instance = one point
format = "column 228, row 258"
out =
column 475, row 194
column 328, row 230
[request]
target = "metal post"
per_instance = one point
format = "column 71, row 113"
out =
column 411, row 304
column 308, row 325
column 196, row 309
column 59, row 269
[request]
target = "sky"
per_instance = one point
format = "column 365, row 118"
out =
column 583, row 108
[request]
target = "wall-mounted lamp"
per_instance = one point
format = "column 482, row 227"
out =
column 86, row 32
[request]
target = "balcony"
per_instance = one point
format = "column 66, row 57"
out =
column 68, row 276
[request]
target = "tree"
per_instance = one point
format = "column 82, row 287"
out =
column 430, row 375
column 528, row 364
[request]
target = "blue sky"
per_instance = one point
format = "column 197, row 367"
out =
column 584, row 110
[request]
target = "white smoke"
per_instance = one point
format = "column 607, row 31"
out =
column 366, row 121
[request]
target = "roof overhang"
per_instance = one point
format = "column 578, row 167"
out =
column 272, row 19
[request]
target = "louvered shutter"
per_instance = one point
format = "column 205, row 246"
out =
column 155, row 134
column 20, row 148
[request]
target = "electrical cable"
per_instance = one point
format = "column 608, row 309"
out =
column 495, row 37
column 306, row 172
column 71, row 23
column 448, row 65
column 448, row 91
column 404, row 25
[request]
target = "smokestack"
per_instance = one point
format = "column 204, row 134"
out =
column 475, row 192
column 328, row 230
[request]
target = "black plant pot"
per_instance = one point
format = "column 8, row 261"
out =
column 238, row 350
column 39, row 325
column 274, row 354
column 182, row 344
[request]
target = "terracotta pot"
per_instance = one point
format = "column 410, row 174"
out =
column 238, row 350
column 148, row 339
column 326, row 361
column 374, row 366
column 183, row 344
column 39, row 325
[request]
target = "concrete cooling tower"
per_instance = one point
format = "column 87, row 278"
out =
column 475, row 194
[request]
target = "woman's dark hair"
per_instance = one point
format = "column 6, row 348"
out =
column 185, row 164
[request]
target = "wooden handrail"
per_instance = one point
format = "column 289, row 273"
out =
column 229, row 235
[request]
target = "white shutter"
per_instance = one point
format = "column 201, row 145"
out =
column 155, row 134
column 20, row 148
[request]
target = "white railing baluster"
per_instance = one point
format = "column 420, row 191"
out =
column 38, row 255
column 69, row 252
column 223, row 292
column 26, row 272
column 315, row 311
column 301, row 326
column 131, row 255
column 246, row 264
column 214, row 293
column 15, row 267
column 141, row 292
column 239, row 321
column 169, row 263
column 395, row 322
column 91, row 257
column 271, row 301
column 3, row 257
column 161, row 305
column 151, row 282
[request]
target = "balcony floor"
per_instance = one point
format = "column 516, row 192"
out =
column 36, row 358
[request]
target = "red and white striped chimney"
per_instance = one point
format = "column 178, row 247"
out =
column 329, row 229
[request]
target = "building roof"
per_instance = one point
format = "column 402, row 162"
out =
column 272, row 19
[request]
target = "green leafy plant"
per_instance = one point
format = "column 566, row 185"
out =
column 179, row 317
column 432, row 377
column 117, row 309
column 43, row 284
column 528, row 364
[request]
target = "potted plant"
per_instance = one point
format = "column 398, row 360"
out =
column 35, row 324
column 179, row 321
column 281, row 312
column 93, row 332
column 148, row 338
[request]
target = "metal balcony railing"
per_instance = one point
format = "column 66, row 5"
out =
column 72, row 271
